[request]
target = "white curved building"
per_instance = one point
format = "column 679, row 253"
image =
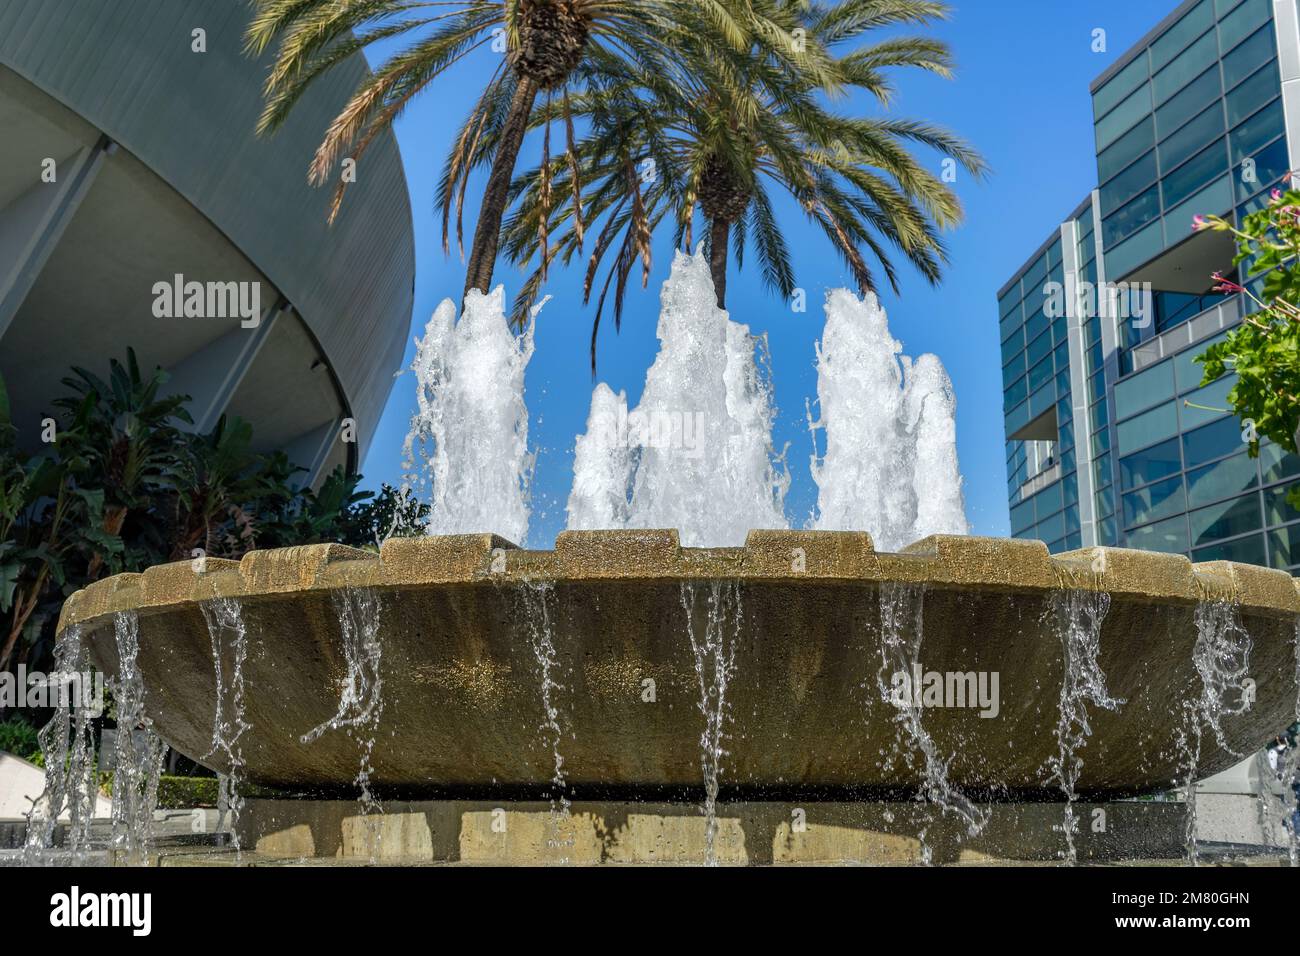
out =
column 128, row 158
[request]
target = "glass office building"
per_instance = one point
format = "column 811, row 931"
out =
column 1111, row 437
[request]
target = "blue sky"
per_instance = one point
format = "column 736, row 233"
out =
column 1020, row 96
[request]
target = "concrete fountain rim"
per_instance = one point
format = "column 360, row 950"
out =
column 826, row 557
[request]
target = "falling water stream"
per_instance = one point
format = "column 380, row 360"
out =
column 361, row 697
column 714, row 653
column 536, row 610
column 138, row 753
column 1221, row 656
column 68, row 744
column 1078, row 616
column 225, row 620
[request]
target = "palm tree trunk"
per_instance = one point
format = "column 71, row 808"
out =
column 719, row 233
column 487, row 233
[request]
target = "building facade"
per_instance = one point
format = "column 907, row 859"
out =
column 1111, row 437
column 129, row 164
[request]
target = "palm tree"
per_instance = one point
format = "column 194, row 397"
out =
column 722, row 138
column 548, row 44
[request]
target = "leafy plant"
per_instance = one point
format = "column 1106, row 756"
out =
column 1264, row 350
column 18, row 737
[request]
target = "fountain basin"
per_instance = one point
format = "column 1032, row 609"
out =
column 462, row 686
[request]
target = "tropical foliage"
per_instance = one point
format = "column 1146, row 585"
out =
column 721, row 140
column 1264, row 350
column 544, row 47
column 120, row 485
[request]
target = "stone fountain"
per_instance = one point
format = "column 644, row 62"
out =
column 598, row 670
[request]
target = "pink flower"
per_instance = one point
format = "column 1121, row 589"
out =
column 1199, row 222
column 1226, row 286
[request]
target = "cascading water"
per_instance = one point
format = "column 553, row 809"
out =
column 467, row 449
column 696, row 453
column 229, row 639
column 714, row 651
column 1291, row 770
column 1221, row 656
column 361, row 695
column 68, row 744
column 890, row 464
column 1078, row 616
column 138, row 752
column 902, row 608
column 536, row 598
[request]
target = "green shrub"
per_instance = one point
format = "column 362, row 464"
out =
column 18, row 737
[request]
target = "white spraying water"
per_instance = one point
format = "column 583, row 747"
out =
column 1078, row 617
column 696, row 454
column 467, row 450
column 902, row 628
column 1221, row 656
column 138, row 752
column 68, row 744
column 225, row 620
column 714, row 651
column 890, row 462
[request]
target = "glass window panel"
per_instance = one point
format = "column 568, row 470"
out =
column 1238, row 24
column 1271, row 165
column 1149, row 427
column 1277, row 464
column 1040, row 374
column 1128, row 183
column 1145, row 389
column 1022, row 516
column 1188, row 64
column 1013, row 369
column 1050, row 500
column 1277, row 510
column 1213, row 398
column 1125, row 149
column 1009, row 300
column 1120, row 86
column 1191, row 25
column 1187, row 370
column 1131, row 218
column 1161, row 500
column 1016, row 393
column 1263, row 127
column 1254, row 93
column 1039, row 348
column 1211, row 441
column 1193, row 174
column 1150, row 464
column 1037, row 325
column 1192, row 137
column 1249, row 56
column 1223, row 479
column 1034, row 276
column 1011, row 346
column 1136, row 249
column 1188, row 103
column 1226, row 519
column 1284, row 544
column 1169, row 535
column 1124, row 116
column 1243, row 551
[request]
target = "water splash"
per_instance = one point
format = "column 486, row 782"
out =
column 696, row 454
column 1221, row 656
column 138, row 752
column 467, row 449
column 902, row 628
column 1292, row 762
column 68, row 744
column 714, row 651
column 890, row 464
column 1078, row 616
column 361, row 695
column 226, row 630
column 537, row 597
